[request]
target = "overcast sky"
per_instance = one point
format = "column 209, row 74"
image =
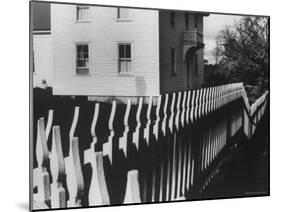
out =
column 213, row 24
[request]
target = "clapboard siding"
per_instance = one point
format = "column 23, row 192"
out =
column 172, row 37
column 103, row 32
column 43, row 69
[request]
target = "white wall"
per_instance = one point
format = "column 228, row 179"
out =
column 43, row 59
column 103, row 32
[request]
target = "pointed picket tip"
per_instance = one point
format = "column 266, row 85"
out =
column 95, row 119
column 49, row 123
column 138, row 114
column 148, row 116
column 157, row 120
column 74, row 122
column 123, row 145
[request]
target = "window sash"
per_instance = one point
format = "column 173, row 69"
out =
column 172, row 19
column 124, row 58
column 82, row 13
column 186, row 21
column 82, row 59
column 196, row 22
column 124, row 66
column 124, row 51
column 122, row 13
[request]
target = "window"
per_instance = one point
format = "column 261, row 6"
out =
column 173, row 61
column 82, row 13
column 124, row 58
column 122, row 13
column 196, row 22
column 82, row 59
column 172, row 19
column 186, row 21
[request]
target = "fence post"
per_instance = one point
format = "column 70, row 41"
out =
column 123, row 145
column 58, row 195
column 148, row 124
column 155, row 156
column 181, row 180
column 162, row 195
column 132, row 188
column 137, row 131
column 73, row 170
column 169, row 165
column 176, row 154
column 41, row 173
column 107, row 147
column 98, row 192
column 75, row 182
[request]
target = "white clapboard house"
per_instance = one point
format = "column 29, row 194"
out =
column 114, row 51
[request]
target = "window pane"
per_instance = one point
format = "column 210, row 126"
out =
column 85, row 51
column 128, row 66
column 172, row 19
column 128, row 51
column 79, row 50
column 196, row 21
column 118, row 13
column 82, row 13
column 82, row 59
column 186, row 21
column 121, row 51
column 82, row 71
column 122, row 13
column 122, row 66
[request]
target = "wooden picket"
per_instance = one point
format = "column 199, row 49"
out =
column 183, row 134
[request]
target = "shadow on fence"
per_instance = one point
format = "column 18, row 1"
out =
column 166, row 150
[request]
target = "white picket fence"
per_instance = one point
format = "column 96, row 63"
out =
column 183, row 136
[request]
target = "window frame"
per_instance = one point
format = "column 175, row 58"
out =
column 172, row 19
column 87, row 19
column 89, row 56
column 127, row 73
column 187, row 21
column 196, row 22
column 119, row 18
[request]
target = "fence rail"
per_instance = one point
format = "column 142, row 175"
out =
column 168, row 149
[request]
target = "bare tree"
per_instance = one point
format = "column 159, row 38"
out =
column 245, row 50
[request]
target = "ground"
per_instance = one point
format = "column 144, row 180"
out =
column 246, row 170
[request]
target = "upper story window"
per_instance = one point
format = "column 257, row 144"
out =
column 196, row 22
column 124, row 58
column 82, row 13
column 186, row 21
column 82, row 59
column 122, row 13
column 173, row 61
column 172, row 19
